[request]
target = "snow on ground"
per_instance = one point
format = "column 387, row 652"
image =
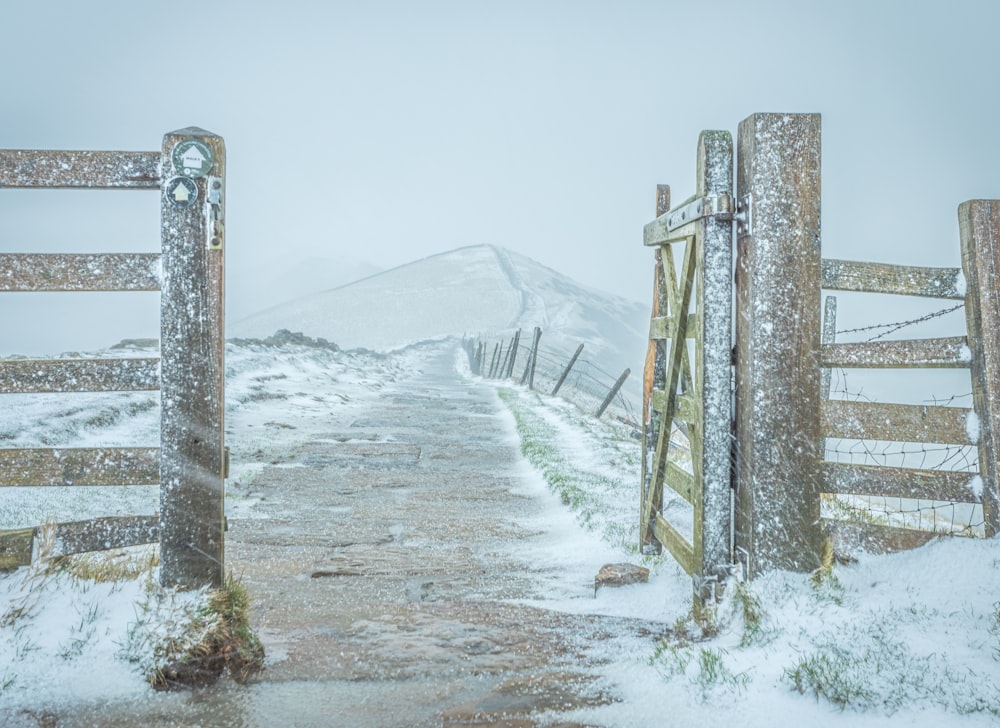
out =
column 906, row 640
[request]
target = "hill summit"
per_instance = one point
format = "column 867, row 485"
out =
column 471, row 290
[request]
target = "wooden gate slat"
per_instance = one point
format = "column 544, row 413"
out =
column 895, row 422
column 874, row 538
column 79, row 375
column 940, row 353
column 76, row 169
column 76, row 272
column 901, row 280
column 879, row 480
column 80, row 466
column 101, row 534
column 676, row 544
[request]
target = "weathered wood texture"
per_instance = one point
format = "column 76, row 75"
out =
column 692, row 303
column 529, row 368
column 89, row 169
column 16, row 547
column 849, row 537
column 513, row 354
column 112, row 532
column 903, row 280
column 678, row 546
column 895, row 422
column 80, row 466
column 827, row 338
column 942, row 353
column 979, row 229
column 98, row 534
column 192, row 376
column 79, row 375
column 882, row 481
column 70, row 272
column 612, row 392
column 778, row 342
column 567, row 370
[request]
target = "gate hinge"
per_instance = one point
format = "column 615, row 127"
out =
column 744, row 216
column 720, row 206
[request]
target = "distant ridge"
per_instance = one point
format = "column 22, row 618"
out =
column 470, row 290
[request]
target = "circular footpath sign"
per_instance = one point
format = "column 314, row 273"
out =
column 192, row 158
column 182, row 191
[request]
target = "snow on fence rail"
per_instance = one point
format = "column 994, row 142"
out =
column 553, row 370
column 788, row 499
column 190, row 464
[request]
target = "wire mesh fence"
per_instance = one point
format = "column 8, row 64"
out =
column 943, row 516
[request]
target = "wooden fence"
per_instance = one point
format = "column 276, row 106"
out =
column 591, row 388
column 190, row 463
column 780, row 479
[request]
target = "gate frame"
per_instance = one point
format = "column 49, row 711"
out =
column 702, row 224
column 191, row 462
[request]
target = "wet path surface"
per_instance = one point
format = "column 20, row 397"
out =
column 383, row 563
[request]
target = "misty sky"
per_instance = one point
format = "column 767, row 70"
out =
column 383, row 132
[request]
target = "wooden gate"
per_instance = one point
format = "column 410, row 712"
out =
column 759, row 464
column 687, row 378
column 190, row 464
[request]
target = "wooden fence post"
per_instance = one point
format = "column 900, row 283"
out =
column 192, row 369
column 614, row 390
column 778, row 342
column 979, row 226
column 513, row 354
column 506, row 356
column 529, row 369
column 493, row 360
column 562, row 378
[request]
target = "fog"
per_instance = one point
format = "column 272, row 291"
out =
column 362, row 136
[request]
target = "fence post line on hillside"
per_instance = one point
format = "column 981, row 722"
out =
column 513, row 354
column 614, row 390
column 562, row 378
column 506, row 356
column 979, row 228
column 529, row 367
column 778, row 341
column 493, row 360
column 534, row 357
column 192, row 367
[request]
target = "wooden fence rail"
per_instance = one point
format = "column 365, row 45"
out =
column 190, row 463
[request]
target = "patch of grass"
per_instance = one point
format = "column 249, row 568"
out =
column 704, row 668
column 752, row 613
column 110, row 566
column 581, row 490
column 823, row 579
column 867, row 668
column 192, row 639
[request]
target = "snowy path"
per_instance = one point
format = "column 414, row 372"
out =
column 392, row 560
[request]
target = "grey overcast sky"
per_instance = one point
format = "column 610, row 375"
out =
column 388, row 131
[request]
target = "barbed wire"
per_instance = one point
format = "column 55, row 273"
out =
column 897, row 325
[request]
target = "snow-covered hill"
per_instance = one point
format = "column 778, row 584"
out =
column 472, row 290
